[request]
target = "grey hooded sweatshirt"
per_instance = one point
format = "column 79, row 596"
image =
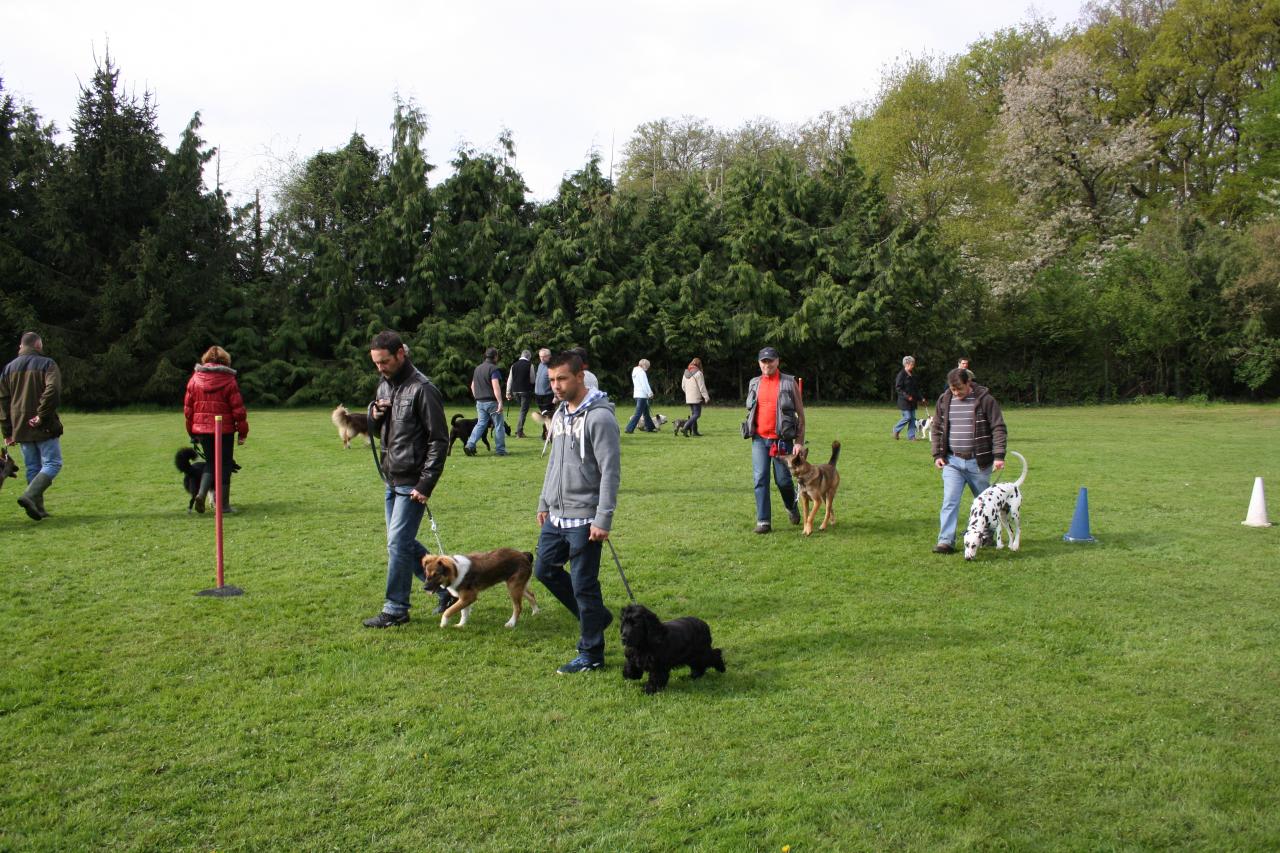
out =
column 583, row 472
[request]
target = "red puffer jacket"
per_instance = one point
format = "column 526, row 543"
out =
column 213, row 391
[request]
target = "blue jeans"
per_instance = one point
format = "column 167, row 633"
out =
column 695, row 412
column 760, row 460
column 579, row 588
column 486, row 411
column 642, row 410
column 955, row 476
column 404, row 551
column 908, row 421
column 42, row 457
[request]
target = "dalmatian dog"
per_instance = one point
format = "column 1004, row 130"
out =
column 923, row 427
column 999, row 506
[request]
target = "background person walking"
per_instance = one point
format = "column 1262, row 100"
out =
column 694, row 385
column 908, row 398
column 30, row 390
column 212, row 390
column 642, row 393
column 520, row 386
column 486, row 388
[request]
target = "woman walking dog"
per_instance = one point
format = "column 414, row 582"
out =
column 212, row 391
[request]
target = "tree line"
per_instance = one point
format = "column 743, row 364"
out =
column 1090, row 213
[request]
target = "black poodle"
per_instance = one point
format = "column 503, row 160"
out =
column 655, row 647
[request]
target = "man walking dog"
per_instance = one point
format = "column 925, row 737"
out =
column 968, row 441
column 486, row 388
column 575, row 508
column 30, row 388
column 775, row 425
column 408, row 416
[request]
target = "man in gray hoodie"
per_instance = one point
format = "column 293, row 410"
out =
column 575, row 509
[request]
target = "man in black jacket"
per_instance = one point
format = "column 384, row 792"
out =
column 408, row 415
column 520, row 386
column 908, row 397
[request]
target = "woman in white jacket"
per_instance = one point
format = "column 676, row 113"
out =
column 695, row 393
column 642, row 392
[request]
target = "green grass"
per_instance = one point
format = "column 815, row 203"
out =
column 1118, row 695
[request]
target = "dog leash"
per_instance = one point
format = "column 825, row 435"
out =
column 621, row 573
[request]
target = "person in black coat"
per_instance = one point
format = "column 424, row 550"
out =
column 908, row 398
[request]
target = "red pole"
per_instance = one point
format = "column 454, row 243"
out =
column 217, row 493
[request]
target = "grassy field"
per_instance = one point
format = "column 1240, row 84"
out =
column 1118, row 695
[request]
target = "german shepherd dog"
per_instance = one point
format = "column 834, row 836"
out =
column 465, row 576
column 350, row 425
column 8, row 468
column 816, row 484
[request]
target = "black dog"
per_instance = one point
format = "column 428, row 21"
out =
column 8, row 468
column 460, row 430
column 192, row 471
column 656, row 647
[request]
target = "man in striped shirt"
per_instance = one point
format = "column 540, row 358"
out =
column 969, row 439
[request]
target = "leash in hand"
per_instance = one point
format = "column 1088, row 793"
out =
column 621, row 573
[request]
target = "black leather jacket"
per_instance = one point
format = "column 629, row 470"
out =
column 415, row 436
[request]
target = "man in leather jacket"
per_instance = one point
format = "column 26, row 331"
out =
column 408, row 416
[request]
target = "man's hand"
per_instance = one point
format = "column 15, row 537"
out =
column 382, row 405
column 939, row 463
column 418, row 496
column 999, row 464
column 10, row 441
column 240, row 441
column 597, row 534
column 34, row 422
column 542, row 518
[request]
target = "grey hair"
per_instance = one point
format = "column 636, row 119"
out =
column 908, row 359
column 543, row 351
column 644, row 362
column 524, row 353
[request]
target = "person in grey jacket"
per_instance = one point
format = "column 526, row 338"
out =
column 408, row 415
column 576, row 506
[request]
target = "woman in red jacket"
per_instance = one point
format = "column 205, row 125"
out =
column 212, row 391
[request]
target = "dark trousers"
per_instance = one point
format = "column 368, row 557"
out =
column 695, row 412
column 228, row 459
column 642, row 411
column 579, row 588
column 525, row 398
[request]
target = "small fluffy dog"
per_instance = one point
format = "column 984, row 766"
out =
column 999, row 506
column 815, row 484
column 460, row 430
column 8, row 468
column 350, row 425
column 466, row 575
column 656, row 647
column 658, row 421
column 682, row 427
column 192, row 471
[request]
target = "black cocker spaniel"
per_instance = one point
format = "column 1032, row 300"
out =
column 656, row 647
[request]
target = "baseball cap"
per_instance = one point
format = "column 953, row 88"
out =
column 767, row 353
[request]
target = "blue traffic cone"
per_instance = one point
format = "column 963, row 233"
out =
column 1079, row 531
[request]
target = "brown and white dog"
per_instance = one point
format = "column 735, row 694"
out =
column 350, row 425
column 815, row 484
column 465, row 575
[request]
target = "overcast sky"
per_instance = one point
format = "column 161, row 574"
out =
column 275, row 81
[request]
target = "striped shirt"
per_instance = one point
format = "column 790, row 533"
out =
column 960, row 426
column 567, row 523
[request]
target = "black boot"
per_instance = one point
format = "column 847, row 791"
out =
column 32, row 499
column 227, row 508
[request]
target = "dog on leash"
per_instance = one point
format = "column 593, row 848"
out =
column 350, row 425
column 656, row 647
column 815, row 485
column 460, row 429
column 999, row 506
column 924, row 426
column 8, row 467
column 682, row 427
column 466, row 576
column 192, row 471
